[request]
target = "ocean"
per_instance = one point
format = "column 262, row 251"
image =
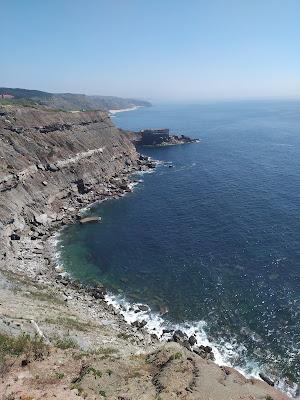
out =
column 215, row 239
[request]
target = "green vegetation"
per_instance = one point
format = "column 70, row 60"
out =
column 67, row 101
column 66, row 343
column 30, row 347
column 19, row 102
column 95, row 372
column 70, row 323
column 124, row 336
column 105, row 351
column 102, row 393
column 176, row 356
column 59, row 375
column 45, row 296
column 269, row 398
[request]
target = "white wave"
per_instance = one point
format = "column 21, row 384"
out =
column 223, row 352
column 113, row 112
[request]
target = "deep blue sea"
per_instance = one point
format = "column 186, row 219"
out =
column 216, row 238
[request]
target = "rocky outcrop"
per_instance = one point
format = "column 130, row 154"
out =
column 50, row 161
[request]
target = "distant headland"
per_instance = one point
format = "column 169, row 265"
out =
column 67, row 101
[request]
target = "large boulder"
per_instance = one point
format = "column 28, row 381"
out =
column 179, row 336
column 52, row 167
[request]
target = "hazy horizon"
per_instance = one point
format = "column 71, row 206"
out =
column 198, row 51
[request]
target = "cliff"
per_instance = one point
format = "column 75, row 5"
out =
column 51, row 165
column 49, row 158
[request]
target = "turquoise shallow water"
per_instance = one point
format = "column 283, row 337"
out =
column 217, row 237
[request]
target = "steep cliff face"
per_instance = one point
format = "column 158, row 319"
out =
column 49, row 158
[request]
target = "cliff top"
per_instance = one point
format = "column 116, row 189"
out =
column 66, row 101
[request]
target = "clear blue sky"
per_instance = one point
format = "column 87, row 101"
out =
column 153, row 49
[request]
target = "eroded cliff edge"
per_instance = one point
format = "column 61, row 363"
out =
column 48, row 158
column 51, row 165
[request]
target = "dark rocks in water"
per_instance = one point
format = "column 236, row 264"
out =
column 143, row 307
column 139, row 324
column 265, row 378
column 171, row 166
column 179, row 336
column 85, row 220
column 15, row 236
column 192, row 340
column 151, row 165
column 204, row 352
column 98, row 292
column 162, row 137
column 165, row 331
column 163, row 310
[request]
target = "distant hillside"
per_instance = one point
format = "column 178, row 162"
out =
column 67, row 101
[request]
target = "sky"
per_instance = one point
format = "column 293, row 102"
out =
column 160, row 50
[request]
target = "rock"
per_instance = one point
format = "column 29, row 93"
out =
column 41, row 219
column 265, row 378
column 143, row 307
column 98, row 292
column 154, row 337
column 167, row 331
column 52, row 167
column 45, row 183
column 139, row 324
column 204, row 352
column 192, row 340
column 150, row 165
column 24, row 362
column 163, row 310
column 186, row 344
column 15, row 236
column 179, row 336
column 85, row 220
column 40, row 167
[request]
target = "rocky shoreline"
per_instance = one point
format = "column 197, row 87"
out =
column 91, row 349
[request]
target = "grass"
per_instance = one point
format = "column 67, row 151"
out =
column 30, row 347
column 124, row 336
column 176, row 356
column 107, row 351
column 95, row 372
column 70, row 323
column 66, row 343
column 46, row 296
column 59, row 375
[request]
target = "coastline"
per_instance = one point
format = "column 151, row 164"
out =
column 100, row 305
column 113, row 112
column 40, row 300
column 153, row 325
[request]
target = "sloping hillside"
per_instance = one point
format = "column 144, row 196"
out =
column 67, row 101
